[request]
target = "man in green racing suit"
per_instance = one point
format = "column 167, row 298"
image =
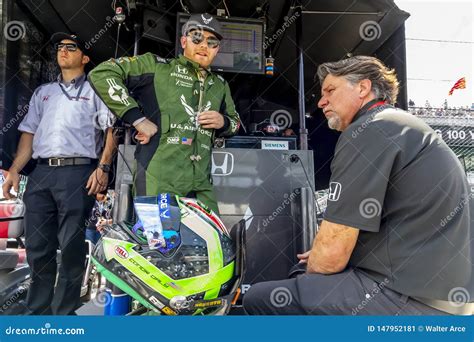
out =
column 177, row 106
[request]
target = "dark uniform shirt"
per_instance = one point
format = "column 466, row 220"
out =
column 398, row 182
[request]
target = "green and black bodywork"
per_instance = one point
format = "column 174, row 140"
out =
column 170, row 93
column 199, row 274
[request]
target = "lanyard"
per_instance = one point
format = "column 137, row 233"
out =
column 380, row 103
column 78, row 93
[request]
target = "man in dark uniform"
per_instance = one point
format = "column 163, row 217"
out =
column 396, row 236
column 64, row 131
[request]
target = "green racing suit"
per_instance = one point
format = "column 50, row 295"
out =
column 170, row 93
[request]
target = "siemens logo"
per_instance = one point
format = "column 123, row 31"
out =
column 275, row 145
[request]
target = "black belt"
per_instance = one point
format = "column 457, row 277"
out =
column 66, row 161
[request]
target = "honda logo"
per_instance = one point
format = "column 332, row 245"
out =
column 222, row 163
column 181, row 69
column 334, row 191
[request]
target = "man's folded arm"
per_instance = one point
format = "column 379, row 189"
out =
column 332, row 248
column 109, row 81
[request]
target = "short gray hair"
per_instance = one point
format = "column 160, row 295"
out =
column 358, row 68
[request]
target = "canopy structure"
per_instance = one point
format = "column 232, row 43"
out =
column 319, row 31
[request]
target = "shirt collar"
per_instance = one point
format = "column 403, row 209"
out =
column 368, row 107
column 77, row 81
column 186, row 61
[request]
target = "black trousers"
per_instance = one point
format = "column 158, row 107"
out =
column 57, row 206
column 350, row 292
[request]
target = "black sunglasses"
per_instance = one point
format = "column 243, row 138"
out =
column 69, row 46
column 198, row 37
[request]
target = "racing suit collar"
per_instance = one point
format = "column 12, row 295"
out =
column 186, row 61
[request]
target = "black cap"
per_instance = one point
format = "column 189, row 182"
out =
column 58, row 36
column 205, row 22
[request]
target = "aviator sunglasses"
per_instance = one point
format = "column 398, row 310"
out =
column 198, row 37
column 69, row 46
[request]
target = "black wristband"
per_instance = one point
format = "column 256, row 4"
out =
column 224, row 128
column 132, row 115
column 104, row 167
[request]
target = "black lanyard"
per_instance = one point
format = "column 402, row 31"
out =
column 78, row 93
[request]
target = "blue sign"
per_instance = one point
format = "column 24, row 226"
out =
column 237, row 328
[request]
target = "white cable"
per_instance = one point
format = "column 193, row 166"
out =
column 226, row 8
column 184, row 7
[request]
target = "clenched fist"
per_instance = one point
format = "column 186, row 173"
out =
column 146, row 129
column 211, row 119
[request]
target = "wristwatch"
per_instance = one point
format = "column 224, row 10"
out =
column 104, row 167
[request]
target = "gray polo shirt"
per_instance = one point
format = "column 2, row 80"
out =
column 396, row 180
column 67, row 120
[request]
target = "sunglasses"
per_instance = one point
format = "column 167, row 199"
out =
column 69, row 46
column 198, row 38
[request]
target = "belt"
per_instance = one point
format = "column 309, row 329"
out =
column 452, row 308
column 66, row 161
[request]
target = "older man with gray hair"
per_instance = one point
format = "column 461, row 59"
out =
column 396, row 236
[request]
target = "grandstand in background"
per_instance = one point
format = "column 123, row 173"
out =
column 456, row 127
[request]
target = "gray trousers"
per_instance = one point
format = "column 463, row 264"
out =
column 350, row 292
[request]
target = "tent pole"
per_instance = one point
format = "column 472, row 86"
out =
column 301, row 98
